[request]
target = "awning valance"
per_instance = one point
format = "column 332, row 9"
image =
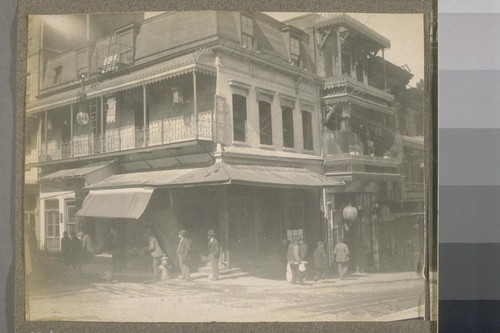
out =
column 127, row 203
column 75, row 172
column 222, row 173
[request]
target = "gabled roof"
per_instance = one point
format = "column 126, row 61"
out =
column 348, row 22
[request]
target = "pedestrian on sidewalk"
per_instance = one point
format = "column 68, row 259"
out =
column 183, row 254
column 341, row 255
column 88, row 251
column 165, row 267
column 294, row 260
column 76, row 252
column 303, row 253
column 320, row 261
column 213, row 253
column 66, row 248
column 155, row 251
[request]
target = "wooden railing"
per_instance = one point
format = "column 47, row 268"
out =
column 166, row 131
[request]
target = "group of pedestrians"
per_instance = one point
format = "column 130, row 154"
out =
column 162, row 266
column 297, row 264
column 76, row 249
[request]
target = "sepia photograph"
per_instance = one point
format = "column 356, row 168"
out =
column 217, row 166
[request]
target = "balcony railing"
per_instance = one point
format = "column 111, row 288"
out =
column 412, row 191
column 347, row 85
column 352, row 163
column 166, row 131
column 31, row 176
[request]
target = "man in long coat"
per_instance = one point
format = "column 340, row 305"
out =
column 341, row 255
column 214, row 253
column 183, row 254
column 294, row 260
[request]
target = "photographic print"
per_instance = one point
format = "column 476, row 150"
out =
column 204, row 166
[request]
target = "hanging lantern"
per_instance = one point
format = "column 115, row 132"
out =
column 350, row 213
column 82, row 118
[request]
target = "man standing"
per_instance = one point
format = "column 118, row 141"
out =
column 155, row 251
column 183, row 254
column 294, row 260
column 66, row 248
column 341, row 255
column 214, row 253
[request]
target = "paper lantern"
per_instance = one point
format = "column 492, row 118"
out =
column 82, row 118
column 350, row 213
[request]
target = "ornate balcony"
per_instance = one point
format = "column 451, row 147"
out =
column 346, row 89
column 412, row 191
column 161, row 132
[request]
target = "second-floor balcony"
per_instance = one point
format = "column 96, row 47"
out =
column 349, row 158
column 412, row 191
column 353, row 91
column 161, row 132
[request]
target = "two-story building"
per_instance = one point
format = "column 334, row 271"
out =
column 189, row 120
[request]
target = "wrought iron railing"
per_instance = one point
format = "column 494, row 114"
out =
column 412, row 191
column 165, row 131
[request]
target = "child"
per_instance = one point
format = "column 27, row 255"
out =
column 320, row 261
column 164, row 267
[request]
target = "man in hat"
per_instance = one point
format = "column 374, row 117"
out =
column 214, row 253
column 294, row 260
column 183, row 254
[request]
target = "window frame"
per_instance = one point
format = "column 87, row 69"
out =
column 295, row 57
column 241, row 120
column 307, row 132
column 265, row 123
column 247, row 31
column 287, row 121
column 52, row 223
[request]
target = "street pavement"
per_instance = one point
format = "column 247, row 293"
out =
column 57, row 292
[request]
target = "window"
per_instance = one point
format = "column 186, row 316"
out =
column 295, row 51
column 247, row 32
column 307, row 130
column 57, row 74
column 287, row 115
column 52, row 218
column 239, row 117
column 346, row 64
column 265, row 124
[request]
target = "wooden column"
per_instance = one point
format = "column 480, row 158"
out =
column 225, row 219
column 102, row 124
column 385, row 77
column 144, row 111
column 71, row 130
column 195, row 102
column 46, row 133
column 339, row 53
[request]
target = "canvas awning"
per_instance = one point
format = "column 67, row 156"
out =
column 219, row 174
column 75, row 172
column 128, row 203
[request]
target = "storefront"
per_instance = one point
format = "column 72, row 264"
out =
column 252, row 208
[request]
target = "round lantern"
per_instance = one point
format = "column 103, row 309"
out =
column 350, row 213
column 82, row 118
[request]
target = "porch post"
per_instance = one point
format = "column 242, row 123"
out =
column 102, row 124
column 195, row 101
column 71, row 130
column 339, row 53
column 225, row 219
column 46, row 133
column 385, row 77
column 144, row 111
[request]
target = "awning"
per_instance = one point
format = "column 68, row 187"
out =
column 127, row 203
column 74, row 173
column 222, row 173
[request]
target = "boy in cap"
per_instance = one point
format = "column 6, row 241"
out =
column 164, row 267
column 183, row 254
column 214, row 253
